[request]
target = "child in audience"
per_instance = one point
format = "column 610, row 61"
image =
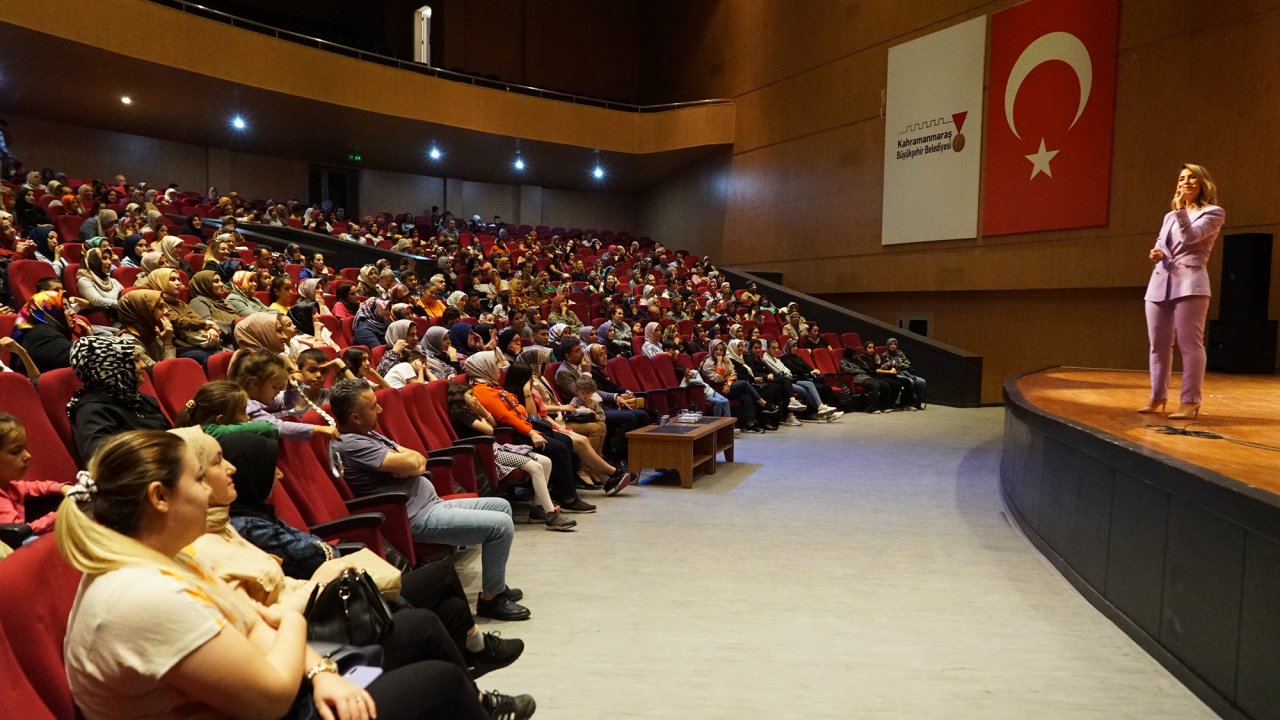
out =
column 412, row 368
column 588, row 406
column 356, row 361
column 469, row 418
column 313, row 366
column 264, row 376
column 14, row 491
column 218, row 408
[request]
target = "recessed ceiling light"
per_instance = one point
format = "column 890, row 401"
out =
column 125, row 99
column 435, row 153
column 519, row 163
column 238, row 123
column 598, row 173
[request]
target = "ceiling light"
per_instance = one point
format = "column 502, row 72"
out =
column 598, row 173
column 238, row 123
column 125, row 99
column 435, row 153
column 519, row 163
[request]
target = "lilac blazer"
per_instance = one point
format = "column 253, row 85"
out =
column 1186, row 238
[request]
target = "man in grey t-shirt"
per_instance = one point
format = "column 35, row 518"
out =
column 375, row 463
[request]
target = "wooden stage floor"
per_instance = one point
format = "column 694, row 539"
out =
column 1243, row 408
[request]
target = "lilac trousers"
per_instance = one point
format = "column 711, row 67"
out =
column 1181, row 319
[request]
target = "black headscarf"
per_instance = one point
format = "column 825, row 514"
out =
column 254, row 456
column 131, row 249
column 193, row 230
column 303, row 315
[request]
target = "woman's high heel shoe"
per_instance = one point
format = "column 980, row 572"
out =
column 1155, row 406
column 1186, row 411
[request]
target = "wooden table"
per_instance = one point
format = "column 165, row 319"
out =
column 682, row 447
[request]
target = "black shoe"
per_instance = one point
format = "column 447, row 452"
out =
column 497, row 654
column 757, row 428
column 537, row 514
column 507, row 707
column 576, row 505
column 501, row 607
column 512, row 594
column 617, row 482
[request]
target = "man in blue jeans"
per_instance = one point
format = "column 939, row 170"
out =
column 374, row 463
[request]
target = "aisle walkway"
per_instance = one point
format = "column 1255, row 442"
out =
column 862, row 569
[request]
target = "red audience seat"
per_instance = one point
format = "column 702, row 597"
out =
column 37, row 589
column 295, row 272
column 396, row 424
column 833, row 340
column 667, row 399
column 347, row 323
column 850, row 339
column 50, row 459
column 72, row 252
column 823, row 361
column 351, row 273
column 68, row 227
column 127, row 276
column 23, row 276
column 69, row 279
column 177, row 381
column 218, row 364
column 55, row 388
column 431, row 420
column 665, row 368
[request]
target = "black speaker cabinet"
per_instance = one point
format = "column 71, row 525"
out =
column 1246, row 277
column 1242, row 346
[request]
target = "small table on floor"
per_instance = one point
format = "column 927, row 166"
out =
column 681, row 446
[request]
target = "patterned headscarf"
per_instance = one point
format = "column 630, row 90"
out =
column 535, row 356
column 592, row 349
column 483, row 366
column 105, row 363
column 260, row 331
column 553, row 335
column 44, row 308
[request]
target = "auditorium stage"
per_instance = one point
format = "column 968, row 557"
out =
column 1175, row 538
column 1243, row 408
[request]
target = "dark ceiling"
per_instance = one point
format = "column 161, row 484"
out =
column 84, row 85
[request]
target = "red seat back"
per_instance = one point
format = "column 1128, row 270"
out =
column 37, row 589
column 72, row 252
column 823, row 361
column 394, row 421
column 68, row 227
column 126, row 275
column 50, row 459
column 850, row 339
column 69, row 282
column 56, row 388
column 347, row 323
column 177, row 381
column 23, row 276
column 218, row 364
column 833, row 340
column 549, row 374
column 620, row 371
column 642, row 369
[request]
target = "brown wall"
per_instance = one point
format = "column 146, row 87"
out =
column 805, row 179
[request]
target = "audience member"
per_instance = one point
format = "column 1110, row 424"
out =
column 110, row 370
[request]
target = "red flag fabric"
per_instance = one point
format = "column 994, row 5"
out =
column 1049, row 115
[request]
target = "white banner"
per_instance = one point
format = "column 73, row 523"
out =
column 933, row 135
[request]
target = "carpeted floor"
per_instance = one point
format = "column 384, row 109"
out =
column 862, row 569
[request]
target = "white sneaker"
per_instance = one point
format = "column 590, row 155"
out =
column 791, row 421
column 796, row 405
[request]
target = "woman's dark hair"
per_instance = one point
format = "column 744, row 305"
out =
column 457, row 394
column 354, row 358
column 450, row 316
column 342, row 292
column 277, row 284
column 517, row 376
column 754, row 343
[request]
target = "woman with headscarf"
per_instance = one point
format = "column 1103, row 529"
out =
column 732, row 378
column 465, row 339
column 144, row 317
column 195, row 227
column 307, row 332
column 401, row 335
column 261, row 332
column 442, row 359
column 509, row 344
column 171, row 249
column 46, row 328
column 619, row 416
column 368, row 282
column 370, row 325
column 554, row 332
column 193, row 336
column 897, row 360
column 802, row 379
column 241, row 296
column 484, row 369
column 28, row 214
column 108, row 402
column 47, row 248
column 652, row 346
column 209, row 301
column 151, row 261
column 95, row 283
column 312, row 290
column 102, row 223
column 131, row 257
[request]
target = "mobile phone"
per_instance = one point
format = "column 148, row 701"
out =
column 362, row 675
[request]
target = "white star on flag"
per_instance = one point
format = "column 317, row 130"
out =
column 1040, row 161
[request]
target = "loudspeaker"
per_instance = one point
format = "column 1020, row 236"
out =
column 1242, row 346
column 1246, row 277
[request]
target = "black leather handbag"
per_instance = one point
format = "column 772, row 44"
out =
column 348, row 611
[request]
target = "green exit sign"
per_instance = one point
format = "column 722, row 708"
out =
column 355, row 157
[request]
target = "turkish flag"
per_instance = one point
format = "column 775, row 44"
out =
column 1049, row 115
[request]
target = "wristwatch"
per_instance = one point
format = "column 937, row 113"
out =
column 326, row 664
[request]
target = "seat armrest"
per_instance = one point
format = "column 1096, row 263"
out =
column 477, row 439
column 375, row 500
column 14, row 534
column 350, row 548
column 439, row 462
column 358, row 521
